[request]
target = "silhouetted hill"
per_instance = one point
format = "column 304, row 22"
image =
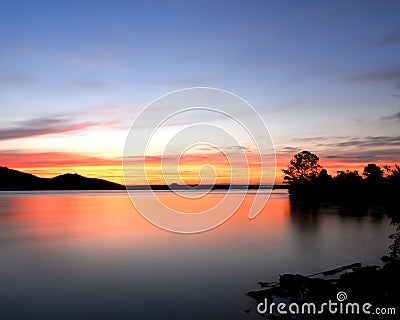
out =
column 77, row 182
column 15, row 180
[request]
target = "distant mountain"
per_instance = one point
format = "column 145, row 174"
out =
column 16, row 180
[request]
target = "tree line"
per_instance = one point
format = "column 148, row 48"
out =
column 309, row 181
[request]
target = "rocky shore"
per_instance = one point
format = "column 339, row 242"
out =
column 347, row 289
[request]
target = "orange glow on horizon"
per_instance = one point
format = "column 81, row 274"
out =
column 50, row 164
column 207, row 168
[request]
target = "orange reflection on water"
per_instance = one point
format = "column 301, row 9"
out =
column 111, row 216
column 189, row 202
column 75, row 215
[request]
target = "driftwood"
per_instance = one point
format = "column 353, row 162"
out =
column 337, row 270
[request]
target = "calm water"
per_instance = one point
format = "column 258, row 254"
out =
column 74, row 255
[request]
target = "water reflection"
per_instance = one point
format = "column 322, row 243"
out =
column 90, row 255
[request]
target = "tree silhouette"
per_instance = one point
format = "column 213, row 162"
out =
column 373, row 172
column 324, row 178
column 350, row 178
column 396, row 171
column 303, row 166
column 393, row 174
column 309, row 182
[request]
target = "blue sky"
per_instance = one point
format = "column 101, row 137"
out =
column 321, row 73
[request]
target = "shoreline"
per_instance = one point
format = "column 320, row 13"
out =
column 357, row 284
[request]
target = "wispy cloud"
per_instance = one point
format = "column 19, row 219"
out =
column 394, row 116
column 91, row 84
column 307, row 139
column 344, row 141
column 17, row 159
column 390, row 39
column 350, row 149
column 287, row 150
column 46, row 126
column 14, row 79
column 371, row 141
column 50, row 164
column 185, row 81
column 378, row 75
column 195, row 159
column 348, row 157
column 385, row 155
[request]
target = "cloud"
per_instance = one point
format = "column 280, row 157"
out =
column 371, row 141
column 394, row 116
column 14, row 79
column 348, row 149
column 369, row 155
column 185, row 81
column 193, row 159
column 46, row 125
column 318, row 138
column 378, row 75
column 91, row 84
column 391, row 39
column 287, row 149
column 51, row 164
column 359, row 157
column 17, row 159
column 344, row 141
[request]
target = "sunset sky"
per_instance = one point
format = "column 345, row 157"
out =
column 324, row 75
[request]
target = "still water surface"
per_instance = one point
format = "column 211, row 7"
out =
column 90, row 255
